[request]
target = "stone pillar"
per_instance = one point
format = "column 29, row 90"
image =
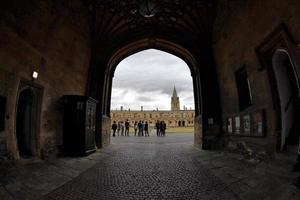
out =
column 105, row 136
column 297, row 165
column 198, row 133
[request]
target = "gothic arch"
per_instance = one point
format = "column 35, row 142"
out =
column 144, row 44
column 200, row 63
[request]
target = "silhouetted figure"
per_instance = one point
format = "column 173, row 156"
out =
column 143, row 128
column 122, row 129
column 162, row 127
column 127, row 128
column 140, row 126
column 114, row 128
column 119, row 128
column 157, row 126
column 135, row 126
column 146, row 129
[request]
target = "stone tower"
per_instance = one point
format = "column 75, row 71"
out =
column 175, row 101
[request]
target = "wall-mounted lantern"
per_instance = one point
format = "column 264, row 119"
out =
column 35, row 75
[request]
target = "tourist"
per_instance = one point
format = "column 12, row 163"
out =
column 127, row 128
column 119, row 128
column 143, row 128
column 157, row 126
column 114, row 128
column 122, row 128
column 140, row 126
column 162, row 127
column 146, row 129
column 135, row 126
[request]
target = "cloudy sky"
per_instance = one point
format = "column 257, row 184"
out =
column 147, row 79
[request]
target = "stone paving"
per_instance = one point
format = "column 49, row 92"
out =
column 152, row 168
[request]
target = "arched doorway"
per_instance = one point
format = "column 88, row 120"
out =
column 206, row 95
column 179, row 123
column 24, row 125
column 28, row 119
column 165, row 46
column 288, row 93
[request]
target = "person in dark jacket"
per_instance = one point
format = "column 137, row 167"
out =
column 157, row 126
column 114, row 127
column 127, row 128
column 146, row 129
column 140, row 126
column 163, row 128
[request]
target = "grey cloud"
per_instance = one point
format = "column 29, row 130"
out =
column 147, row 78
column 145, row 98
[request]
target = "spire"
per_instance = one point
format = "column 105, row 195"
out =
column 174, row 92
column 175, row 105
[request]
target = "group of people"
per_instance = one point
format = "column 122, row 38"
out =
column 160, row 128
column 121, row 128
column 141, row 128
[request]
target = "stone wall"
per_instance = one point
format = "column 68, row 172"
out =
column 105, row 131
column 198, row 134
column 239, row 28
column 171, row 118
column 51, row 37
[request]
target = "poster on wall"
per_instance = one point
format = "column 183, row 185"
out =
column 258, row 124
column 246, row 124
column 229, row 125
column 237, row 125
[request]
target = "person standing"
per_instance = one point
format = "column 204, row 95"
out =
column 135, row 126
column 127, row 128
column 140, row 126
column 146, row 129
column 164, row 128
column 119, row 128
column 143, row 128
column 114, row 128
column 157, row 126
column 122, row 128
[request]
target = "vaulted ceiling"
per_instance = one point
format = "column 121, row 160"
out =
column 116, row 21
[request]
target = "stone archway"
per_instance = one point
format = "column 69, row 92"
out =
column 206, row 96
column 162, row 45
column 288, row 92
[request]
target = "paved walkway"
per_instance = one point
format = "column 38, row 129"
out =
column 153, row 168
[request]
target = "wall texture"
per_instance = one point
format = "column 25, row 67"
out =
column 51, row 37
column 240, row 26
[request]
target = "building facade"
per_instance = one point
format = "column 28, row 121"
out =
column 174, row 117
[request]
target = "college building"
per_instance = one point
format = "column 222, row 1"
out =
column 173, row 117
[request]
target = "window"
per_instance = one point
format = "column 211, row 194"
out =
column 243, row 88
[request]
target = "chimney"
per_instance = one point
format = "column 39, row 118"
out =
column 121, row 108
column 141, row 108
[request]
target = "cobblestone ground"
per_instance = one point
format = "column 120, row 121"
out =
column 146, row 168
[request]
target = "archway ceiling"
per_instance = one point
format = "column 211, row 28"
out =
column 118, row 20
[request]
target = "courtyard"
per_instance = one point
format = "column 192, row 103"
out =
column 152, row 167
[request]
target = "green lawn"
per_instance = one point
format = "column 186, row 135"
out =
column 180, row 130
